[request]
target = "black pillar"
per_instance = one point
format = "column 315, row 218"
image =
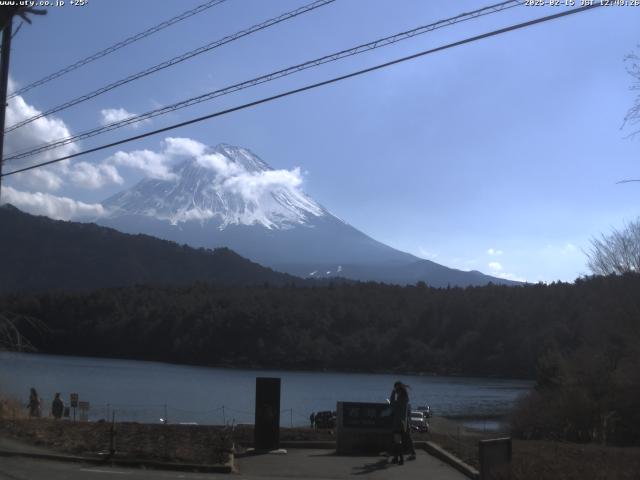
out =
column 267, row 423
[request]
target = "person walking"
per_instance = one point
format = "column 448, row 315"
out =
column 399, row 400
column 57, row 407
column 34, row 403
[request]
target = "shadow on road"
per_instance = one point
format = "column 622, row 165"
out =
column 371, row 467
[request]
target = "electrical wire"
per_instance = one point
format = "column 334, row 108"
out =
column 382, row 42
column 316, row 85
column 173, row 61
column 118, row 46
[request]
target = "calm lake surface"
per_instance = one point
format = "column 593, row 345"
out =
column 149, row 391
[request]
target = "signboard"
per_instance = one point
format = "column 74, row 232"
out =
column 363, row 427
column 495, row 458
column 74, row 400
column 84, row 411
column 366, row 415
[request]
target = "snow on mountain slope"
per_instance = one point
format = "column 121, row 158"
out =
column 227, row 184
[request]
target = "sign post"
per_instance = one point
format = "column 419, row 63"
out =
column 74, row 404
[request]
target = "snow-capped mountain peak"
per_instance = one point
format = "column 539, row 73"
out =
column 226, row 184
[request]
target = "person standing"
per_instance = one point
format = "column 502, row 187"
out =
column 57, row 407
column 399, row 400
column 34, row 403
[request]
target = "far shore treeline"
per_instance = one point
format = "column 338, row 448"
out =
column 580, row 342
column 485, row 331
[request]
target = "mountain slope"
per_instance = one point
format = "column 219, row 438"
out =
column 40, row 253
column 227, row 196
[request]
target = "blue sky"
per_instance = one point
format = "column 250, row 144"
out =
column 499, row 156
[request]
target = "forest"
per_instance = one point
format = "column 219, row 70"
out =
column 491, row 330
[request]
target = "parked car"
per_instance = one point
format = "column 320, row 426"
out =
column 325, row 419
column 418, row 421
column 426, row 409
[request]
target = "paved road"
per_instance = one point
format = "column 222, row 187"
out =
column 297, row 463
column 326, row 465
column 16, row 468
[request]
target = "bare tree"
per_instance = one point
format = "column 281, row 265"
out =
column 633, row 68
column 616, row 253
column 10, row 336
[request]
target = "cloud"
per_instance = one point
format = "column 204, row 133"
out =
column 112, row 115
column 569, row 249
column 40, row 178
column 497, row 270
column 220, row 164
column 154, row 165
column 426, row 254
column 45, row 130
column 158, row 165
column 494, row 253
column 178, row 146
column 253, row 185
column 88, row 175
column 510, row 276
column 41, row 131
column 59, row 208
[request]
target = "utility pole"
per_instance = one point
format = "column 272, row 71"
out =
column 6, row 23
column 4, row 79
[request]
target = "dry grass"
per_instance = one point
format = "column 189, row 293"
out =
column 171, row 443
column 538, row 460
column 11, row 408
column 545, row 460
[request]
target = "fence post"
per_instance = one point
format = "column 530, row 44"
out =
column 224, row 418
column 112, row 443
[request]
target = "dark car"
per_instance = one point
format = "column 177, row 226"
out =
column 325, row 419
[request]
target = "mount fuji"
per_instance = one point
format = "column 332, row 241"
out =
column 228, row 197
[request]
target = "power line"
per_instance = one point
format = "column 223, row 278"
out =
column 174, row 61
column 119, row 45
column 314, row 85
column 382, row 42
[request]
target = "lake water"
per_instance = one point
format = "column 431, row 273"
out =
column 149, row 391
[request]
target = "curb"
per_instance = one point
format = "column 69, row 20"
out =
column 455, row 462
column 123, row 462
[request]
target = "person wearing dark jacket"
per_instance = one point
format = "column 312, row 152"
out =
column 57, row 407
column 34, row 403
column 399, row 400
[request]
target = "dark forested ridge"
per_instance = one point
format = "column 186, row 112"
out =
column 491, row 330
column 40, row 254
